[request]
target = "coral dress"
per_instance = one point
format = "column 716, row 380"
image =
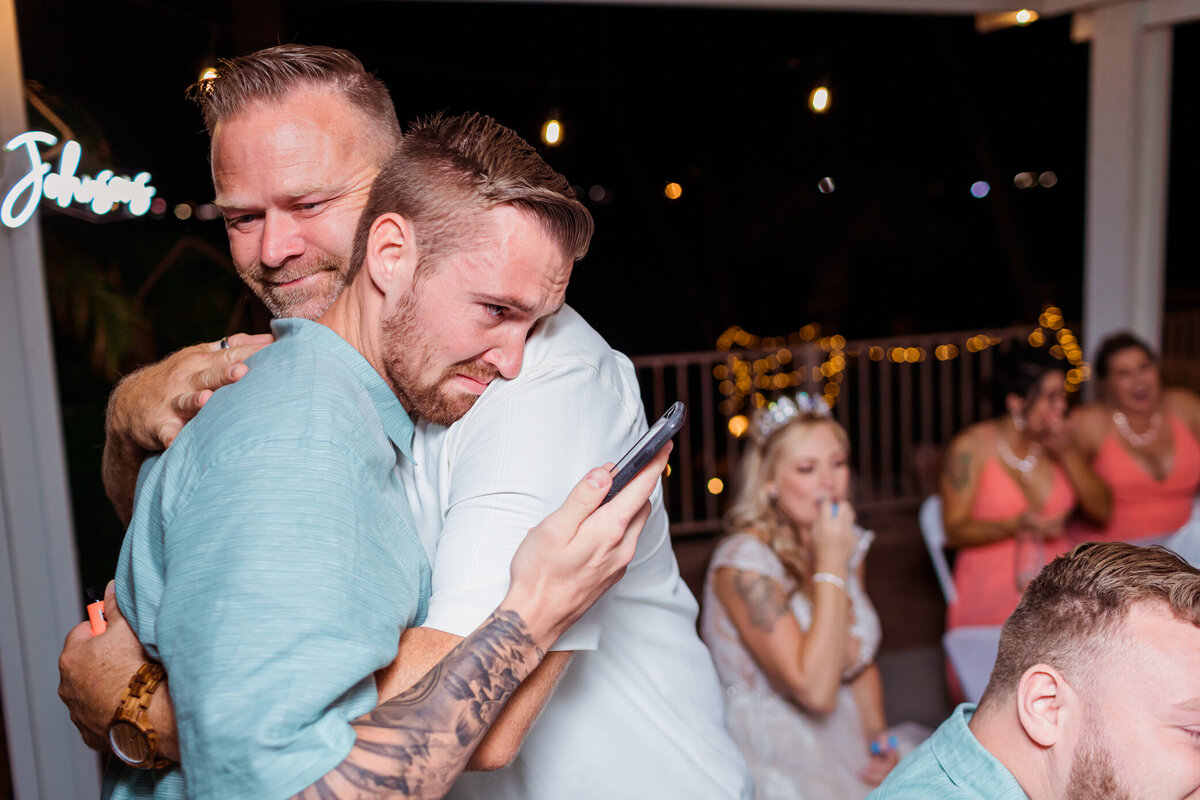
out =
column 1141, row 505
column 984, row 575
column 792, row 754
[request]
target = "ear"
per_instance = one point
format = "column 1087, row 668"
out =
column 391, row 256
column 1045, row 703
column 1014, row 403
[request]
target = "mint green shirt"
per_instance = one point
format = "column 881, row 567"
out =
column 271, row 566
column 950, row 765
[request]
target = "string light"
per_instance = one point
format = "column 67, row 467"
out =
column 768, row 367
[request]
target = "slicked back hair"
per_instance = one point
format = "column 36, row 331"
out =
column 1072, row 615
column 273, row 74
column 450, row 170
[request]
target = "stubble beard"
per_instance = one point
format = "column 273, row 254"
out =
column 1092, row 774
column 309, row 302
column 404, row 352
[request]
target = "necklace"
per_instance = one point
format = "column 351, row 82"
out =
column 1137, row 439
column 1025, row 465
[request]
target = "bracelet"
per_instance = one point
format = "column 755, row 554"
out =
column 829, row 577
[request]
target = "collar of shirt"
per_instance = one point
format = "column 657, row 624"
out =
column 967, row 763
column 396, row 422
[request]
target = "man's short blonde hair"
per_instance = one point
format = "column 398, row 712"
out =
column 273, row 74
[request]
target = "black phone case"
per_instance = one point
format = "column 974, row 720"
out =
column 667, row 426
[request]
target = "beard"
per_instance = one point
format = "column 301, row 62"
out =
column 405, row 352
column 309, row 302
column 1092, row 774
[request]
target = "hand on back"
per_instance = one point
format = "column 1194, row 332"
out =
column 151, row 406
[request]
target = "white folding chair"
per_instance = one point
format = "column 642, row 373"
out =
column 930, row 518
column 1186, row 541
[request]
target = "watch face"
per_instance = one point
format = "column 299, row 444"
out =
column 129, row 742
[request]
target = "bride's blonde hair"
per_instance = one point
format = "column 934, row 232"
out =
column 753, row 510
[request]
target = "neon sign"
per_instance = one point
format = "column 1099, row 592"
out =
column 102, row 194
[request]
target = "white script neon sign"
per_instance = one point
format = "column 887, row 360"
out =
column 102, row 193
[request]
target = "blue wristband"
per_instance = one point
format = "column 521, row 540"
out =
column 892, row 744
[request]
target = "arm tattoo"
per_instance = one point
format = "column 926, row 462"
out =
column 763, row 596
column 417, row 743
column 959, row 470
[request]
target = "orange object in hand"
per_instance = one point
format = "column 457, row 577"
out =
column 95, row 611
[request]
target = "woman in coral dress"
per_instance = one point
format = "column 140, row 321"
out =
column 1142, row 440
column 1008, row 485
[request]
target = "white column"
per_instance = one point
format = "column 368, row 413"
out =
column 1128, row 126
column 39, row 584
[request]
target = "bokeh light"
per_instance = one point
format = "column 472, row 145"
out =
column 738, row 425
column 818, row 100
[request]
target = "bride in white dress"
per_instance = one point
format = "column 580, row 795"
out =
column 790, row 628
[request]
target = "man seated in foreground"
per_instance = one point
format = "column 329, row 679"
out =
column 1095, row 692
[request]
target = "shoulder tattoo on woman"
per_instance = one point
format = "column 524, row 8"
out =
column 763, row 596
column 958, row 468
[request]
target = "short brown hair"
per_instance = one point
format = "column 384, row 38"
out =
column 275, row 72
column 1080, row 602
column 449, row 169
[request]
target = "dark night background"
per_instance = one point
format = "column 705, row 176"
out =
column 716, row 100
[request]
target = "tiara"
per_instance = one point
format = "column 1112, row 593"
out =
column 779, row 412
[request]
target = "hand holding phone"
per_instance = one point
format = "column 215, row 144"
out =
column 644, row 449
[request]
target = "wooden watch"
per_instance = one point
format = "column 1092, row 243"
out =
column 130, row 735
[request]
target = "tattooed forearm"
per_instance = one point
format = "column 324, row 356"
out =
column 417, row 743
column 763, row 596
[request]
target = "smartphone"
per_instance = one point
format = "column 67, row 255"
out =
column 651, row 442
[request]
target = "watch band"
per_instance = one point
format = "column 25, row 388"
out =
column 131, row 737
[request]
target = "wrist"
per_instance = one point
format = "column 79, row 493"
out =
column 542, row 627
column 131, row 735
column 509, row 630
column 830, row 578
column 837, row 567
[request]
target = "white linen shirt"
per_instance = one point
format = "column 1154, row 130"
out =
column 639, row 711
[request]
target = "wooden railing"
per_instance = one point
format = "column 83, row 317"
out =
column 899, row 416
